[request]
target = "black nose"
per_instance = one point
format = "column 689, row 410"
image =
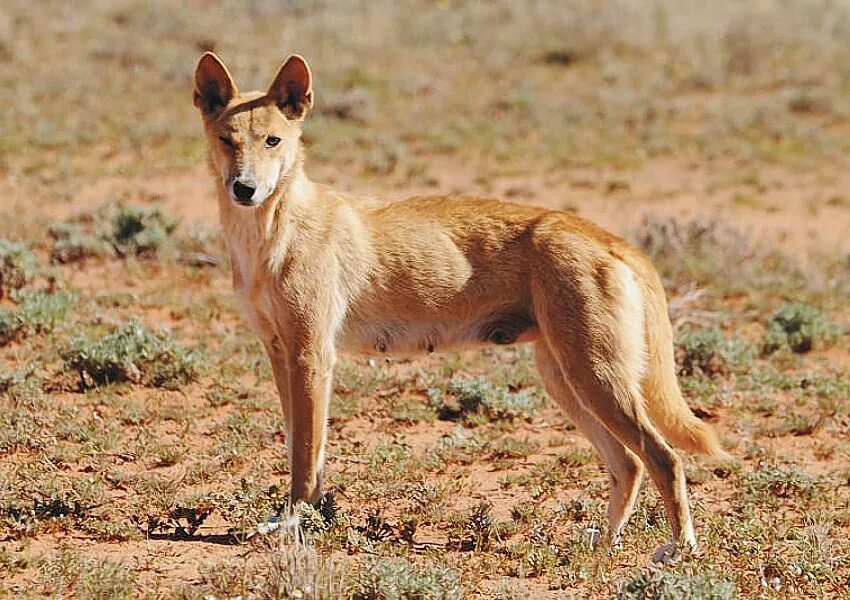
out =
column 243, row 192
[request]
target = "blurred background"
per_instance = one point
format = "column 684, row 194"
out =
column 737, row 107
column 140, row 431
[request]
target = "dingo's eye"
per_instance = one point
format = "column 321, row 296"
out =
column 272, row 141
column 226, row 141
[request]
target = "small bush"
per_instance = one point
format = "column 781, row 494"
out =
column 37, row 313
column 657, row 584
column 708, row 352
column 712, row 254
column 538, row 554
column 183, row 518
column 480, row 398
column 808, row 102
column 132, row 354
column 122, row 230
column 68, row 573
column 772, row 484
column 17, row 266
column 288, row 567
column 398, row 579
column 480, row 529
column 315, row 521
column 20, row 429
column 70, row 244
column 799, row 424
column 457, row 447
column 700, row 352
column 800, row 327
column 104, row 580
column 36, row 500
column 139, row 232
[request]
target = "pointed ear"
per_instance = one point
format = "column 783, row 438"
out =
column 214, row 86
column 292, row 88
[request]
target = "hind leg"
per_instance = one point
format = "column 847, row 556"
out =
column 594, row 330
column 618, row 407
column 624, row 467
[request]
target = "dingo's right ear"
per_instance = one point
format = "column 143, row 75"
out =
column 214, row 86
column 292, row 88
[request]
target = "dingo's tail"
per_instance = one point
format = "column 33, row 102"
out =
column 664, row 402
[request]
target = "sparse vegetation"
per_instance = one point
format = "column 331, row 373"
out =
column 710, row 252
column 140, row 232
column 479, row 399
column 72, row 245
column 17, row 266
column 798, row 327
column 87, row 578
column 36, row 313
column 663, row 585
column 131, row 353
column 713, row 134
column 398, row 579
column 775, row 484
column 708, row 352
column 122, row 230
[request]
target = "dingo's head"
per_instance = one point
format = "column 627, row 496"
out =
column 254, row 137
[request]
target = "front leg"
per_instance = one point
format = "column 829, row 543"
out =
column 304, row 373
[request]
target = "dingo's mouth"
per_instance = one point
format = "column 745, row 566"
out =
column 248, row 195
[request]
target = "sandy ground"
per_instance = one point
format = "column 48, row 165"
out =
column 804, row 213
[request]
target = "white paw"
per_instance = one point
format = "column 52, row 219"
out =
column 273, row 523
column 616, row 543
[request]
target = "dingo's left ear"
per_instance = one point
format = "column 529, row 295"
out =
column 214, row 86
column 292, row 88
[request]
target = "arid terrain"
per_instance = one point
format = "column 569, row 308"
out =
column 140, row 431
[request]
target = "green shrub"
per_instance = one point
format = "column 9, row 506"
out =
column 38, row 312
column 769, row 485
column 480, row 398
column 70, row 574
column 131, row 353
column 398, row 579
column 700, row 351
column 708, row 352
column 110, row 229
column 17, row 266
column 139, row 231
column 71, row 244
column 104, row 580
column 656, row 584
column 480, row 529
column 800, row 327
column 21, row 429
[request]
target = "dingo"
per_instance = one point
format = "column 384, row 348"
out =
column 319, row 271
